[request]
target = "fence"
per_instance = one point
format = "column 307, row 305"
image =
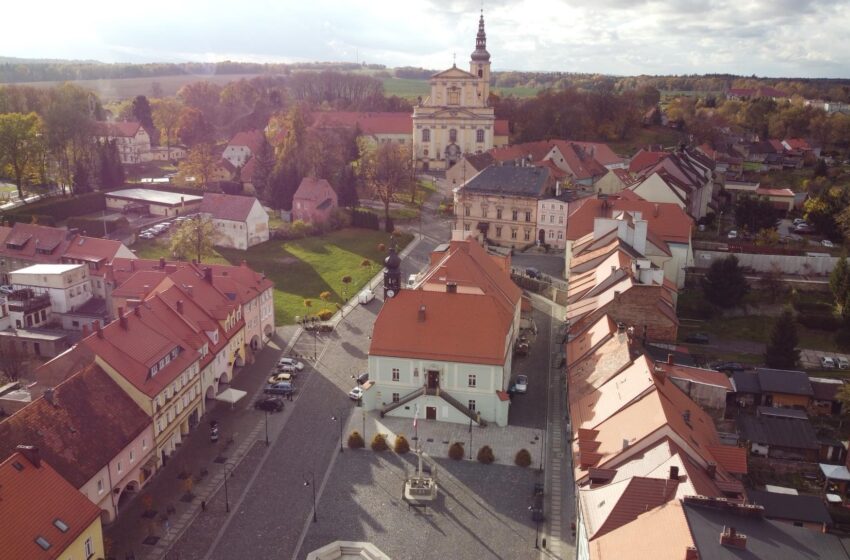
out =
column 801, row 265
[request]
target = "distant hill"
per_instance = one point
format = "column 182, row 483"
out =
column 15, row 60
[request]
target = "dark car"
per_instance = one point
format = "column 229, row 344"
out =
column 532, row 272
column 270, row 404
column 728, row 366
column 282, row 388
column 697, row 338
column 363, row 378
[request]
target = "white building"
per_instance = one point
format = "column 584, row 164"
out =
column 240, row 221
column 243, row 146
column 134, row 143
column 552, row 221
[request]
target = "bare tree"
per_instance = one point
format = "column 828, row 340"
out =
column 386, row 169
column 11, row 359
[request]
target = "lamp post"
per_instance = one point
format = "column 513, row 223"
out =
column 226, row 496
column 537, row 528
column 338, row 418
column 267, row 428
column 542, row 446
column 312, row 484
column 470, row 438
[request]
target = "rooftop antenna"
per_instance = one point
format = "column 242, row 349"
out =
column 454, row 59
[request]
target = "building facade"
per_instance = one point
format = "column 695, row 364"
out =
column 457, row 118
column 240, row 221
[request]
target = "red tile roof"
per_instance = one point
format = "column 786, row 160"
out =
column 730, row 457
column 536, row 150
column 312, row 188
column 126, row 129
column 501, row 127
column 227, row 206
column 92, row 249
column 247, row 173
column 369, row 123
column 664, row 219
column 140, row 284
column 644, row 159
column 77, row 434
column 31, row 499
column 252, row 139
column 762, row 191
column 698, row 375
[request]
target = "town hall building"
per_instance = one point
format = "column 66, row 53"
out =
column 457, row 118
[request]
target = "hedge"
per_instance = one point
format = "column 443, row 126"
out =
column 93, row 227
column 819, row 322
column 366, row 220
column 58, row 208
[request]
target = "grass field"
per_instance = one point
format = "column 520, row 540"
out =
column 645, row 136
column 304, row 268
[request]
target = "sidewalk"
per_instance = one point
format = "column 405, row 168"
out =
column 134, row 536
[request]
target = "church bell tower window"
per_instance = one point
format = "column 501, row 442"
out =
column 480, row 71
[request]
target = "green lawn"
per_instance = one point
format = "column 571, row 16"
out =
column 791, row 179
column 304, row 268
column 643, row 137
column 757, row 328
column 406, row 87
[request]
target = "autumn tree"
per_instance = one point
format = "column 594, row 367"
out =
column 69, row 127
column 109, row 164
column 143, row 114
column 263, row 166
column 193, row 127
column 198, row 167
column 20, row 145
column 166, row 117
column 386, row 169
column 194, row 238
column 11, row 359
column 203, row 96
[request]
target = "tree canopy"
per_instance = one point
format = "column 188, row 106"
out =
column 782, row 351
column 194, row 238
column 724, row 283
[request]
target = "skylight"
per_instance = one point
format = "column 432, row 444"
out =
column 61, row 525
column 42, row 542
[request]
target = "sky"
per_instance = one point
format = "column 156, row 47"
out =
column 777, row 38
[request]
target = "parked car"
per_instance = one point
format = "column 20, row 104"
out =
column 6, row 289
column 827, row 243
column 356, row 394
column 798, row 221
column 290, row 362
column 697, row 338
column 270, row 404
column 286, row 368
column 521, row 384
column 827, row 363
column 728, row 366
column 282, row 388
column 279, row 377
column 732, row 234
column 532, row 272
column 146, row 235
column 803, row 228
column 843, row 363
column 365, row 297
column 363, row 378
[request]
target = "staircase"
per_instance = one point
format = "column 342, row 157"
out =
column 474, row 416
column 402, row 401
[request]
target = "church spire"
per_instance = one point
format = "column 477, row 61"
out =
column 480, row 53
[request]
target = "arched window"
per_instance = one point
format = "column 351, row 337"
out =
column 426, row 134
column 452, row 135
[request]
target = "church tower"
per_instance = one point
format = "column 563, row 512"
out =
column 392, row 274
column 479, row 64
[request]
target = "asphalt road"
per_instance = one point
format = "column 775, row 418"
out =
column 529, row 409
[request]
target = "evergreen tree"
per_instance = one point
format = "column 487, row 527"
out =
column 263, row 167
column 142, row 112
column 724, row 283
column 111, row 168
column 347, row 190
column 82, row 178
column 782, row 351
column 839, row 281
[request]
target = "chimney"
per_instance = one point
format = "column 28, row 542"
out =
column 85, row 331
column 208, row 275
column 451, row 287
column 655, row 213
column 180, row 306
column 674, row 472
column 691, row 553
column 625, row 443
column 686, row 416
column 162, row 263
column 733, row 539
column 711, row 470
column 97, row 328
column 122, row 319
column 137, row 310
column 189, row 290
column 422, row 313
column 31, row 453
column 132, row 264
column 48, row 395
column 670, row 359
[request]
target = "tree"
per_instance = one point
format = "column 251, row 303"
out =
column 782, row 351
column 771, row 284
column 724, row 283
column 347, row 188
column 754, row 214
column 166, row 116
column 194, row 238
column 142, row 113
column 20, row 145
column 839, row 281
column 263, row 167
column 69, row 127
column 386, row 169
column 11, row 359
column 199, row 166
column 193, row 127
column 82, row 178
column 202, row 96
column 111, row 168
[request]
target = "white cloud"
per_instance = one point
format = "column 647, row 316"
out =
column 777, row 38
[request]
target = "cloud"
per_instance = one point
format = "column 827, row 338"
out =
column 775, row 38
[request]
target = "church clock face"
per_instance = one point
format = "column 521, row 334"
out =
column 390, row 293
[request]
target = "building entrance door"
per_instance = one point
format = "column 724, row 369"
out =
column 430, row 412
column 433, row 379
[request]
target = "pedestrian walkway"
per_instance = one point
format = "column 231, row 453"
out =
column 149, row 537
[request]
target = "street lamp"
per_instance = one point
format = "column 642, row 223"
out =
column 542, row 445
column 312, row 484
column 537, row 528
column 226, row 497
column 338, row 418
column 470, row 438
column 267, row 427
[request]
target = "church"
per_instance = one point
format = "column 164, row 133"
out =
column 457, row 119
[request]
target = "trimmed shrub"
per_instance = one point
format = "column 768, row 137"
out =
column 365, row 220
column 355, row 441
column 382, row 248
column 522, row 459
column 485, row 455
column 456, row 451
column 325, row 314
column 379, row 443
column 820, row 322
column 401, row 445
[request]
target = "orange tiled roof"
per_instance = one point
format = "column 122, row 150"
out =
column 644, row 159
column 252, row 139
column 126, row 129
column 369, row 123
column 227, row 206
column 92, row 249
column 77, row 434
column 730, row 457
column 31, row 499
column 699, row 375
column 660, row 533
column 468, row 328
column 664, row 219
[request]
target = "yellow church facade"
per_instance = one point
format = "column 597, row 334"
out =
column 457, row 119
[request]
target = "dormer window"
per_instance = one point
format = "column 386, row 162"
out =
column 154, row 369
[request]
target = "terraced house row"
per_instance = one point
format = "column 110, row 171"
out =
column 112, row 410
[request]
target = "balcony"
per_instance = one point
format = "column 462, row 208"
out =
column 25, row 301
